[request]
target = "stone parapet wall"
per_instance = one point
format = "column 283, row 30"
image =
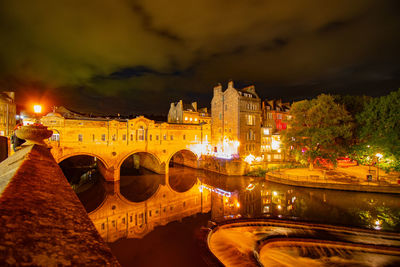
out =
column 42, row 221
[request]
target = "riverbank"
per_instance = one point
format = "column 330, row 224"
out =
column 350, row 179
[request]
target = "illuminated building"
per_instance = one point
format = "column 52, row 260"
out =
column 236, row 117
column 180, row 112
column 275, row 115
column 7, row 113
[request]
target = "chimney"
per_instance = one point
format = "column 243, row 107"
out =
column 218, row 89
column 230, row 84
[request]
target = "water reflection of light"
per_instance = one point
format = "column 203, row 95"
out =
column 250, row 187
column 216, row 190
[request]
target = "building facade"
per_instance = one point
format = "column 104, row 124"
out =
column 180, row 112
column 275, row 115
column 7, row 113
column 236, row 116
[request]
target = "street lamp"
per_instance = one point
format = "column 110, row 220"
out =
column 37, row 109
column 378, row 156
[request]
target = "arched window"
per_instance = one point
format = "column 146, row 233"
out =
column 141, row 133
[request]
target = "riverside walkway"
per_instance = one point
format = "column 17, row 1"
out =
column 351, row 179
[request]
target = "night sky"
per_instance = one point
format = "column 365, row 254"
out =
column 126, row 56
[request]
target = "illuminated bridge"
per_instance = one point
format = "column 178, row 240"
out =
column 139, row 142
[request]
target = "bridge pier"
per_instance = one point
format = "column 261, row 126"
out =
column 111, row 174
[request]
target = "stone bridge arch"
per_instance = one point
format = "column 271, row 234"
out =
column 147, row 159
column 107, row 171
column 185, row 157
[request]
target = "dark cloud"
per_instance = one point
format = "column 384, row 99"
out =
column 126, row 56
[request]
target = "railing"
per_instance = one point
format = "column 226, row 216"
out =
column 328, row 179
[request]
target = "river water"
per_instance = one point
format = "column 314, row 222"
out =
column 171, row 209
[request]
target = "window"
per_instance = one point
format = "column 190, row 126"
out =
column 141, row 133
column 157, row 137
column 186, row 118
column 102, row 226
column 172, row 137
column 114, row 137
column 151, row 137
column 266, row 131
column 93, row 137
column 184, row 137
column 195, row 119
column 251, row 135
column 55, row 137
column 220, row 116
column 131, row 137
column 251, row 120
column 165, row 137
column 80, row 137
column 226, row 107
column 279, row 116
column 191, row 119
column 124, row 137
column 103, row 137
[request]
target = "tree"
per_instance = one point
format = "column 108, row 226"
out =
column 319, row 128
column 379, row 131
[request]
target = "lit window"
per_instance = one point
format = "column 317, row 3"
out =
column 186, row 118
column 191, row 119
column 103, row 137
column 165, row 137
column 55, row 137
column 251, row 120
column 80, row 137
column 140, row 133
column 195, row 119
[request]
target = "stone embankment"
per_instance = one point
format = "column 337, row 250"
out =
column 334, row 181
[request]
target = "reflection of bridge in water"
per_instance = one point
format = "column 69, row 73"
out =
column 117, row 217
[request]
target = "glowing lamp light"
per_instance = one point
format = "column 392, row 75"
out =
column 377, row 225
column 379, row 155
column 279, row 207
column 249, row 159
column 37, row 108
column 238, row 205
column 274, row 193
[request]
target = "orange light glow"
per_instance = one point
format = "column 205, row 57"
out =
column 37, row 108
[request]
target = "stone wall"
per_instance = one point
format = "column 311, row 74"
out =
column 42, row 221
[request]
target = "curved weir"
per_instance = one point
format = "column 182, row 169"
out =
column 283, row 243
